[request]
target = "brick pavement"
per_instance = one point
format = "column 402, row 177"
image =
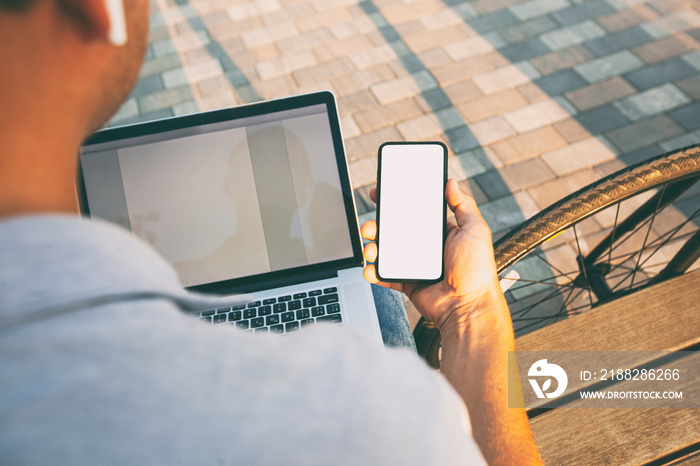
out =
column 535, row 98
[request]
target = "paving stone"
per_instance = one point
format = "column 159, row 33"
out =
column 462, row 91
column 164, row 99
column 664, row 49
column 159, row 65
column 129, row 109
column 549, row 192
column 651, row 102
column 285, row 64
column 441, row 19
column 527, row 29
column 491, row 130
column 246, row 10
column 469, row 47
column 461, row 139
column 363, row 171
column 461, row 70
column 185, row 108
column 434, row 99
column 213, row 85
column 147, row 85
column 524, row 50
column 374, row 56
column 627, row 17
column 472, row 163
column 395, row 89
column 367, row 144
column 672, row 23
column 156, row 115
column 644, row 133
column 533, row 92
column 528, row 145
column 420, row 128
column 584, row 10
column 571, row 129
column 693, row 59
column 620, row 40
column 515, row 178
column 581, row 154
column 689, row 139
column 600, row 93
column 562, row 59
column 192, row 74
column 533, row 8
column 507, row 212
column 491, row 105
column 688, row 116
column 535, row 116
column 505, row 77
column 690, row 86
column 602, row 119
column 662, row 72
column 611, row 65
column 470, row 187
column 323, row 71
column 349, row 126
column 694, row 33
column 426, row 40
column 361, row 80
column 572, row 35
column 492, row 21
column 560, row 82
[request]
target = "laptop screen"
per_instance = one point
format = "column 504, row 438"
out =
column 228, row 199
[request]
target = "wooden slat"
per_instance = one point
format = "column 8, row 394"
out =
column 665, row 317
column 577, row 435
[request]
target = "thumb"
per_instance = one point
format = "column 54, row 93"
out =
column 463, row 205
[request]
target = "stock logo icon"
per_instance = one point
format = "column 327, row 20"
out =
column 543, row 370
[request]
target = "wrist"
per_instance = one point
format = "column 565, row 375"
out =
column 484, row 319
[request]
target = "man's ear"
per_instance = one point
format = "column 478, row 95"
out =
column 98, row 19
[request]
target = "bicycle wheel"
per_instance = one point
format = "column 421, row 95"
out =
column 627, row 231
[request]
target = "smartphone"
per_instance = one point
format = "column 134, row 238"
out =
column 411, row 211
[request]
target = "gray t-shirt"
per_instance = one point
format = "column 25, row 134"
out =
column 99, row 365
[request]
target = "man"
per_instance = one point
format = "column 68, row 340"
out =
column 99, row 365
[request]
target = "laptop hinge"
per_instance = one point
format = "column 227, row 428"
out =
column 278, row 283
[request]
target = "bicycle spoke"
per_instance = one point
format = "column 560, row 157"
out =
column 612, row 238
column 546, row 262
column 583, row 268
column 646, row 237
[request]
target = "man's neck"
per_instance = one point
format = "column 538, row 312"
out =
column 40, row 131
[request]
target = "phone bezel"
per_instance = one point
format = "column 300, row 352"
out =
column 444, row 211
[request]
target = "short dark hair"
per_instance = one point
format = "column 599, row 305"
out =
column 15, row 5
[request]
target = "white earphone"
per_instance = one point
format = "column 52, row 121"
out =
column 117, row 22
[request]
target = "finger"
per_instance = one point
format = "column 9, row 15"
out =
column 373, row 195
column 370, row 274
column 463, row 205
column 370, row 252
column 369, row 230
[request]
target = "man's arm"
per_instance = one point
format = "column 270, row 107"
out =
column 477, row 333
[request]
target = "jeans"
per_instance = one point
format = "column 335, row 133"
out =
column 393, row 321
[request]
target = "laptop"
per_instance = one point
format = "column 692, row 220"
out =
column 254, row 199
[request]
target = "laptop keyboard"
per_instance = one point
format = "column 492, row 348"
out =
column 281, row 314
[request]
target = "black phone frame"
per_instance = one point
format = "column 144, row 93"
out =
column 444, row 210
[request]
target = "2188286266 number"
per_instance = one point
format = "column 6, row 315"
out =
column 640, row 374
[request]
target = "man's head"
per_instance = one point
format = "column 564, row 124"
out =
column 64, row 73
column 69, row 43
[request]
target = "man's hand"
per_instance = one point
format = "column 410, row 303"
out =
column 470, row 270
column 477, row 333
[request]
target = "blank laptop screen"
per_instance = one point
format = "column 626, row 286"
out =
column 229, row 199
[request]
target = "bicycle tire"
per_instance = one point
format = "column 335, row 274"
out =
column 527, row 236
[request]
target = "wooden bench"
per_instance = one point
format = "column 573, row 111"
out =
column 665, row 317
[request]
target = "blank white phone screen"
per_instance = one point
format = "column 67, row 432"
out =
column 411, row 202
